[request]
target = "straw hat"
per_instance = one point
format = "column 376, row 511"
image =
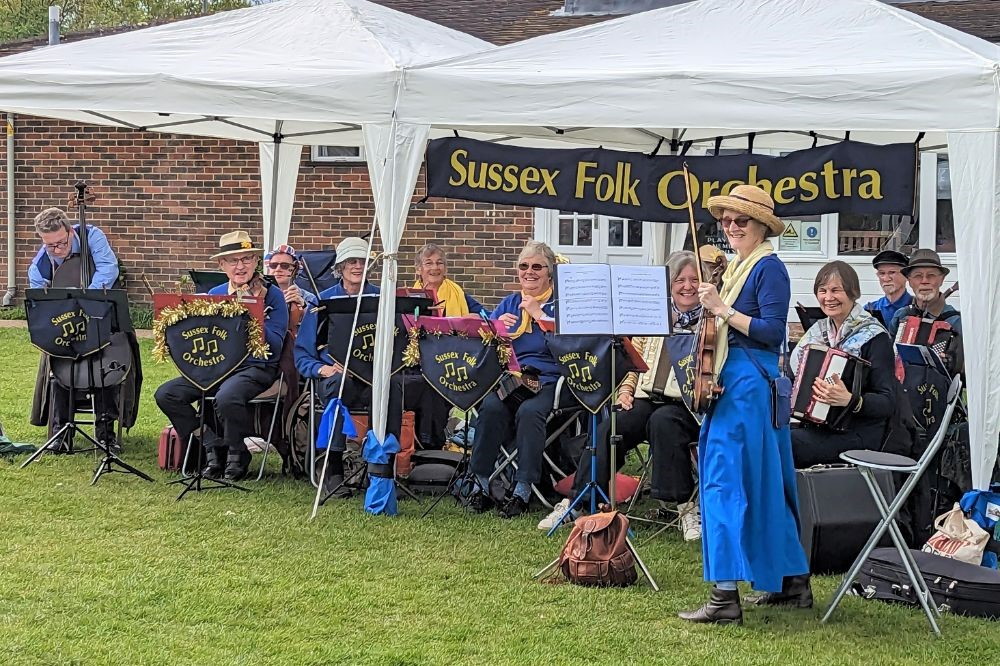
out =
column 924, row 259
column 235, row 242
column 751, row 201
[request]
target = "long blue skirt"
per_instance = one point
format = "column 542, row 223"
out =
column 749, row 501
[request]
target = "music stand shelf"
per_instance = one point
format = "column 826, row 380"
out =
column 74, row 323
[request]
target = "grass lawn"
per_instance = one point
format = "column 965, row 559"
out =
column 120, row 573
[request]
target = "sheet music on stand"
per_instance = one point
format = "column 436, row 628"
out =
column 601, row 299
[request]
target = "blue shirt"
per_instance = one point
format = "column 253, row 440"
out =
column 531, row 347
column 275, row 322
column 105, row 262
column 889, row 309
column 764, row 298
column 308, row 359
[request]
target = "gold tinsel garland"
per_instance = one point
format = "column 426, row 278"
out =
column 411, row 354
column 202, row 308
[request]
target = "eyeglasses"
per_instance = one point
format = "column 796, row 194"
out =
column 246, row 260
column 61, row 245
column 537, row 268
column 740, row 222
column 280, row 265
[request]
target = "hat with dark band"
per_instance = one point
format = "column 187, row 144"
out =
column 753, row 202
column 890, row 257
column 924, row 259
column 235, row 242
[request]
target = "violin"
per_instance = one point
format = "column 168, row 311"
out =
column 705, row 388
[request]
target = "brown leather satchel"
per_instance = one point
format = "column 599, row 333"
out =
column 597, row 553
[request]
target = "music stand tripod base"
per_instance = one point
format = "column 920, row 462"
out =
column 199, row 482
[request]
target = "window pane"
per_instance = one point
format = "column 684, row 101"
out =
column 616, row 233
column 337, row 151
column 944, row 236
column 566, row 231
column 635, row 233
column 870, row 234
column 584, row 231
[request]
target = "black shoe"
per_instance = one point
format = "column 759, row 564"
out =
column 479, row 502
column 335, row 487
column 796, row 591
column 214, row 462
column 104, row 432
column 237, row 465
column 513, row 507
column 723, row 607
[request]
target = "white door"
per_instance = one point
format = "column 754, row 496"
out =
column 594, row 238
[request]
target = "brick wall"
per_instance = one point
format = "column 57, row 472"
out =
column 164, row 200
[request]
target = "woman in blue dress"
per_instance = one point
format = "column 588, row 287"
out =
column 749, row 504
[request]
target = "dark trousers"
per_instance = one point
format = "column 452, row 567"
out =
column 669, row 428
column 105, row 409
column 816, row 445
column 429, row 408
column 233, row 416
column 358, row 395
column 500, row 423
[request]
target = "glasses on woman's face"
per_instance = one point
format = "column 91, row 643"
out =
column 740, row 222
column 247, row 260
column 280, row 265
column 537, row 268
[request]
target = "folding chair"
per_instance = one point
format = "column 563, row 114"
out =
column 559, row 420
column 866, row 461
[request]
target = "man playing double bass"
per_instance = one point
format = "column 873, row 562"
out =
column 61, row 241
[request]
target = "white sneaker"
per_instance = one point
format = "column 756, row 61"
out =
column 690, row 525
column 560, row 510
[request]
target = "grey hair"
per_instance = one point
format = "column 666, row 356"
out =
column 52, row 219
column 533, row 247
column 678, row 261
column 429, row 250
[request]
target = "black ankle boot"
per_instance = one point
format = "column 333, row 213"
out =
column 723, row 607
column 237, row 465
column 214, row 462
column 796, row 591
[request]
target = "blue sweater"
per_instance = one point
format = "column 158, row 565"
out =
column 275, row 322
column 765, row 298
column 308, row 359
column 105, row 261
column 531, row 347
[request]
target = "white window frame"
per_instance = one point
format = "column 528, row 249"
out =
column 315, row 156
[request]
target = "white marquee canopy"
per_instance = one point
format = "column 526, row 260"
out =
column 717, row 66
column 697, row 70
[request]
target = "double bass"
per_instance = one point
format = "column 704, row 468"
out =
column 705, row 388
column 110, row 366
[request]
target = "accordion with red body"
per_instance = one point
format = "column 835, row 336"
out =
column 926, row 331
column 820, row 361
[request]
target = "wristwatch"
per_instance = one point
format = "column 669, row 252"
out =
column 729, row 313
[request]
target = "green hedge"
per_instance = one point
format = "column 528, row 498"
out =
column 142, row 315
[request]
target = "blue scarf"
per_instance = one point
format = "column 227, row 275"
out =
column 857, row 329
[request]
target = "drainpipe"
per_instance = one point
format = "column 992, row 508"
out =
column 11, row 288
column 53, row 25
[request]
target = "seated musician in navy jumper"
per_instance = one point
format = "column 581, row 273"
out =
column 850, row 328
column 238, row 258
column 527, row 314
column 319, row 365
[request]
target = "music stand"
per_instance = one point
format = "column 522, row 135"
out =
column 339, row 313
column 82, row 326
column 207, row 349
column 463, row 371
column 808, row 315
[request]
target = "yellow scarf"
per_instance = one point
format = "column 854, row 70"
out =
column 732, row 284
column 524, row 325
column 452, row 295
